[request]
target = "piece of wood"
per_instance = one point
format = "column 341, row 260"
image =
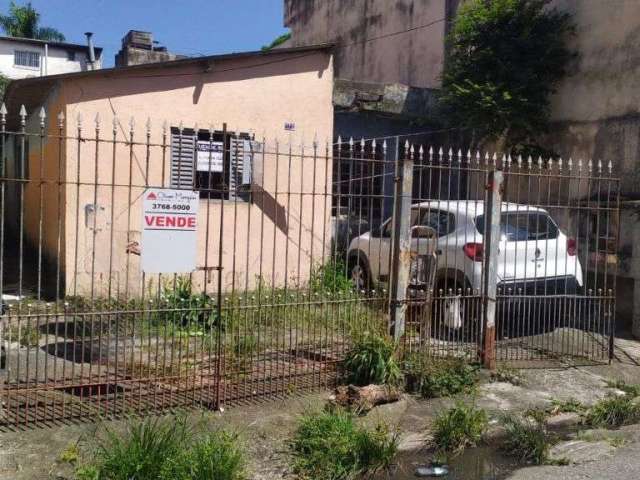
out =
column 363, row 399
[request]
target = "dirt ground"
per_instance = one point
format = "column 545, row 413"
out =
column 265, row 428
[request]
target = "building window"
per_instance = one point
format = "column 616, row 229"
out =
column 71, row 55
column 26, row 59
column 218, row 166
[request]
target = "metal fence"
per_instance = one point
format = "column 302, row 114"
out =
column 299, row 251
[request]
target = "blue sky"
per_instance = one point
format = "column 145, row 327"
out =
column 189, row 27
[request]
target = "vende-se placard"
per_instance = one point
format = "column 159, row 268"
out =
column 169, row 231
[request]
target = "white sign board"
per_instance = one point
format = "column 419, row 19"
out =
column 169, row 224
column 209, row 156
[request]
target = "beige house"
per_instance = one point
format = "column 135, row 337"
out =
column 82, row 201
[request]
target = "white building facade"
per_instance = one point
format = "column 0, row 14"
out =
column 25, row 57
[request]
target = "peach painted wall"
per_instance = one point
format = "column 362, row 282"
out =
column 253, row 94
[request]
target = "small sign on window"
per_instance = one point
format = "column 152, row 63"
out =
column 209, row 156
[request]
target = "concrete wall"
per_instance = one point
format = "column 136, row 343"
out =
column 596, row 115
column 248, row 95
column 56, row 63
column 596, row 108
column 412, row 58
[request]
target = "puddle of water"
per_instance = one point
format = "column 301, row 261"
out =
column 480, row 463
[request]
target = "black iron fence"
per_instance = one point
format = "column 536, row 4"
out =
column 189, row 267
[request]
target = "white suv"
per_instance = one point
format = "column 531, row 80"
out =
column 535, row 256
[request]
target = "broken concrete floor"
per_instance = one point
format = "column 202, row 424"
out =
column 265, row 428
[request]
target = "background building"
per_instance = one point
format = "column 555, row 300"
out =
column 26, row 57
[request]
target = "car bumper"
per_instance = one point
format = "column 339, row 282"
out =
column 567, row 285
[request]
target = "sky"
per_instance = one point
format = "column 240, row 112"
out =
column 188, row 27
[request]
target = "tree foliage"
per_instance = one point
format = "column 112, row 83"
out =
column 278, row 41
column 24, row 21
column 505, row 58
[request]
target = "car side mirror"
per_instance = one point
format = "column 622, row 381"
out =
column 422, row 231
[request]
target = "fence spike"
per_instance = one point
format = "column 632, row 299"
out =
column 550, row 163
column 148, row 126
column 350, row 143
column 487, row 157
column 440, row 154
column 42, row 115
column 600, row 167
column 406, row 145
column 459, row 155
column 503, row 160
column 509, row 161
column 79, row 120
column 529, row 162
column 540, row 162
column 339, row 141
column 362, row 143
column 579, row 165
column 450, row 154
column 97, row 121
column 590, row 165
column 495, row 158
column 60, row 119
column 468, row 156
column 430, row 153
column 384, row 146
column 560, row 164
column 570, row 164
column 610, row 167
column 421, row 153
column 3, row 109
column 181, row 126
column 519, row 160
column 373, row 145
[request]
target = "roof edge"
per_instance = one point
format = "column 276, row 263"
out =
column 173, row 63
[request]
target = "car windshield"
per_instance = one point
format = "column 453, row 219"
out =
column 522, row 226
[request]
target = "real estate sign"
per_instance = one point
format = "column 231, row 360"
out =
column 169, row 230
column 209, row 156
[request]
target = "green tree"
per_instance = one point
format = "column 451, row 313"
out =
column 23, row 21
column 504, row 59
column 278, row 41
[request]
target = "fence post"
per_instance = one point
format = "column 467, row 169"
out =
column 491, row 247
column 401, row 241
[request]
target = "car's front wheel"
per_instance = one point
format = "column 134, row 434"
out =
column 359, row 275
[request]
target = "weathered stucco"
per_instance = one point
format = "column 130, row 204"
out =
column 405, row 38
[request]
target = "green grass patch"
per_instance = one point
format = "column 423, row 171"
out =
column 526, row 439
column 439, row 378
column 629, row 389
column 328, row 445
column 570, row 405
column 156, row 449
column 613, row 411
column 372, row 359
column 458, row 428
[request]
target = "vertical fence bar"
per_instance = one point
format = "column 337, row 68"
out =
column 401, row 245
column 491, row 245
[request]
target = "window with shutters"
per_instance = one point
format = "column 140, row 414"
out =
column 219, row 166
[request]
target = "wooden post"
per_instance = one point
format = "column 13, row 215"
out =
column 401, row 240
column 491, row 248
